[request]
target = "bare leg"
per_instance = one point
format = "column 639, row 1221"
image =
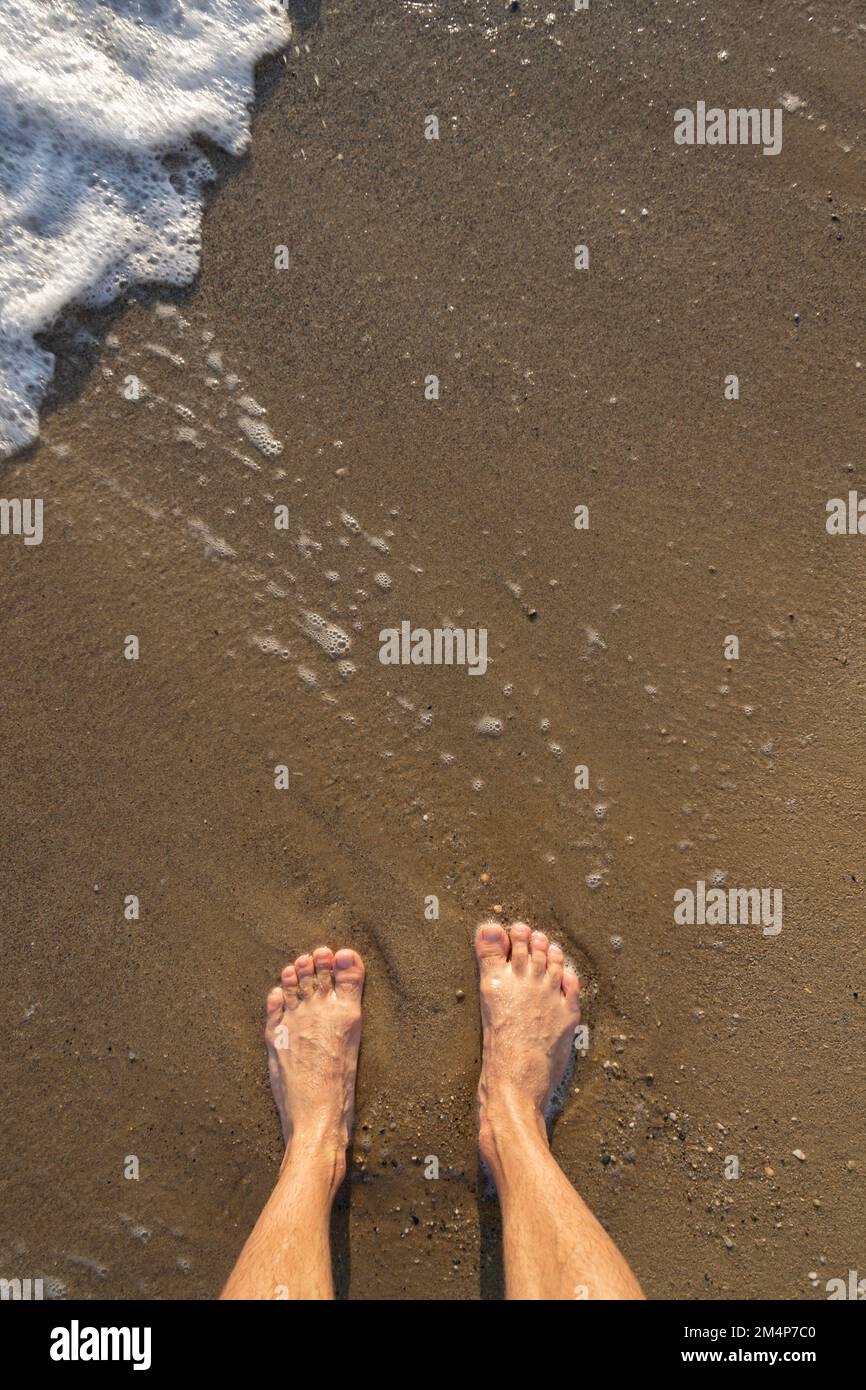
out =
column 312, row 1035
column 530, row 1007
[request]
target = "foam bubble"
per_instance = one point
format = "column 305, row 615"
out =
column 258, row 434
column 489, row 726
column 213, row 545
column 271, row 646
column 100, row 185
column 331, row 638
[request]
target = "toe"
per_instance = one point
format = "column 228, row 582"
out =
column 348, row 974
column 555, row 962
column 274, row 1006
column 571, row 990
column 289, row 979
column 306, row 973
column 520, row 935
column 323, row 959
column 538, row 947
column 491, row 946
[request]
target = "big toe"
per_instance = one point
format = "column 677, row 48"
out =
column 348, row 974
column 491, row 945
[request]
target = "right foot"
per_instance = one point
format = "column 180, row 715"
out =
column 313, row 1032
column 530, row 1009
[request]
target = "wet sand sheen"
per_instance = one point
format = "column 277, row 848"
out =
column 156, row 777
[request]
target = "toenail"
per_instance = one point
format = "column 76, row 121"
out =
column 344, row 964
column 491, row 933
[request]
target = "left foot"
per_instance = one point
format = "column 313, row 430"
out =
column 313, row 1032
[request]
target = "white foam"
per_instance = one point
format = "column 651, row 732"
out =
column 258, row 434
column 100, row 185
column 331, row 638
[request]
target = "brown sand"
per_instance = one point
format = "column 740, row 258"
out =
column 155, row 777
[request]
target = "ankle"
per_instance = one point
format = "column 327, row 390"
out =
column 315, row 1158
column 507, row 1121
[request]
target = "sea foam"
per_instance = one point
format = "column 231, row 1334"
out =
column 101, row 186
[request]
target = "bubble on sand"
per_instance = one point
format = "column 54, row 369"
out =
column 378, row 544
column 594, row 881
column 213, row 545
column 258, row 434
column 307, row 546
column 489, row 726
column 331, row 638
column 271, row 647
column 383, row 580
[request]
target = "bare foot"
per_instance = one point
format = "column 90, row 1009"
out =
column 313, row 1032
column 530, row 1008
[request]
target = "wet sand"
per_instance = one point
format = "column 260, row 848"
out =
column 154, row 777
